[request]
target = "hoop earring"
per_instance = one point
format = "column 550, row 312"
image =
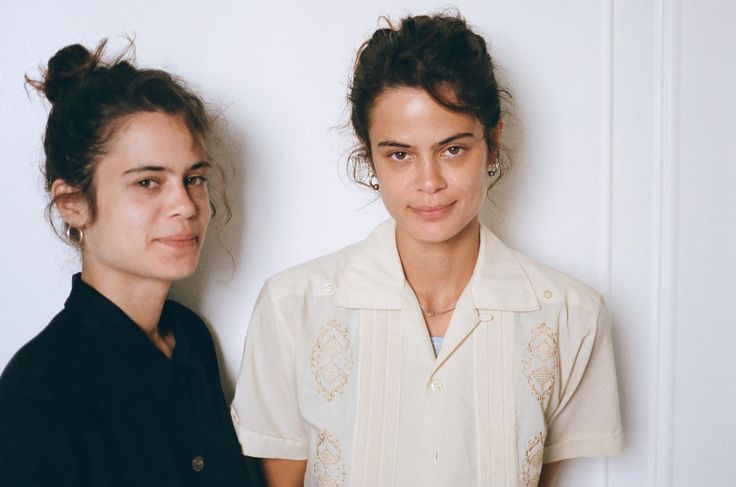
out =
column 373, row 181
column 75, row 235
column 494, row 168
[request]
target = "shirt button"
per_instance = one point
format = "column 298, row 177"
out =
column 329, row 288
column 547, row 294
column 197, row 463
column 436, row 385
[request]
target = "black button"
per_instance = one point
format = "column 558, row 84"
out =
column 198, row 463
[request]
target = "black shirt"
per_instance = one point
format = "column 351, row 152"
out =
column 91, row 401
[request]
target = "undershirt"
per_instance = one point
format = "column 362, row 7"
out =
column 437, row 344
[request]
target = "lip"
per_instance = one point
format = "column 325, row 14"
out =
column 180, row 240
column 432, row 212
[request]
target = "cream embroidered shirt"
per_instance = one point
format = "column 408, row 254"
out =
column 339, row 369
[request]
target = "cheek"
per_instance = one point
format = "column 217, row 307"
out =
column 206, row 212
column 204, row 209
column 392, row 191
column 475, row 187
column 125, row 218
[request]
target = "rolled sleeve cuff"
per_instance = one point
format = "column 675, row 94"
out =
column 584, row 447
column 264, row 446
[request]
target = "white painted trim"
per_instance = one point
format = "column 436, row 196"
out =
column 664, row 240
column 605, row 175
column 605, row 170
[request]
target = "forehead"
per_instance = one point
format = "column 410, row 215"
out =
column 152, row 138
column 413, row 113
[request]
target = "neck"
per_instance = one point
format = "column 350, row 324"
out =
column 439, row 272
column 142, row 300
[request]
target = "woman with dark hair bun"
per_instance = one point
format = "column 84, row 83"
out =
column 122, row 387
column 430, row 353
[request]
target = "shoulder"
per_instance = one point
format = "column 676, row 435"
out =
column 312, row 277
column 370, row 266
column 554, row 286
column 35, row 369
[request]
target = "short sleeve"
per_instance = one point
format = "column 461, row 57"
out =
column 265, row 410
column 584, row 420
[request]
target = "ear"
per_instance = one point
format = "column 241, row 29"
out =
column 71, row 204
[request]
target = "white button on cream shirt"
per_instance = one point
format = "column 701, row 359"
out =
column 339, row 369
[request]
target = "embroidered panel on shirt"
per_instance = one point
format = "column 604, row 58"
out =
column 531, row 465
column 329, row 466
column 331, row 359
column 540, row 361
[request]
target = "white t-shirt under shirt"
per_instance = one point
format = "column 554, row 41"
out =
column 338, row 370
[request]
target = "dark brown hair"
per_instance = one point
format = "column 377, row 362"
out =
column 90, row 97
column 432, row 53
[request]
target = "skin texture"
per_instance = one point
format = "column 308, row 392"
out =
column 284, row 473
column 549, row 472
column 152, row 213
column 431, row 165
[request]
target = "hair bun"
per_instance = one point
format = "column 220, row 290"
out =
column 66, row 69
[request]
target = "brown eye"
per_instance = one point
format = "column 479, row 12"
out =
column 399, row 156
column 195, row 180
column 146, row 183
column 455, row 150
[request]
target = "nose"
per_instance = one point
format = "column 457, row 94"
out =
column 181, row 203
column 429, row 175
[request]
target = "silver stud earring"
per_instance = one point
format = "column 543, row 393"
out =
column 373, row 181
column 494, row 168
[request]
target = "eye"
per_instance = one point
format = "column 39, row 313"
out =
column 455, row 150
column 147, row 183
column 399, row 156
column 198, row 180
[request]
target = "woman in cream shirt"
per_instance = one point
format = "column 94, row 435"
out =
column 430, row 353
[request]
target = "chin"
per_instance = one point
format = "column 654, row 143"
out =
column 175, row 272
column 434, row 232
column 428, row 235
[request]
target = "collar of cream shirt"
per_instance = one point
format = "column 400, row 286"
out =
column 373, row 277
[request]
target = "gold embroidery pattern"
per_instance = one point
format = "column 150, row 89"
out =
column 329, row 467
column 531, row 466
column 331, row 359
column 540, row 361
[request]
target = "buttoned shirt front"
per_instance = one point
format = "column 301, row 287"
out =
column 339, row 369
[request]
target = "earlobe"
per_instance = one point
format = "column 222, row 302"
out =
column 70, row 203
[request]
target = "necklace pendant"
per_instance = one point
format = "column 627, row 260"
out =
column 430, row 312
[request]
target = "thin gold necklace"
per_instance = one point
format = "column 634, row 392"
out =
column 432, row 313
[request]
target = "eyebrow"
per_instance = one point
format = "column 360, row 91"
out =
column 391, row 143
column 135, row 170
column 455, row 137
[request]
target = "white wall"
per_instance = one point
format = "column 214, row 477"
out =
column 624, row 164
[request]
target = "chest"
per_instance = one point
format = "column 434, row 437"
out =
column 373, row 393
column 159, row 426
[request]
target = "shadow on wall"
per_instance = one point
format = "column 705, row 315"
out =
column 222, row 251
column 497, row 214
